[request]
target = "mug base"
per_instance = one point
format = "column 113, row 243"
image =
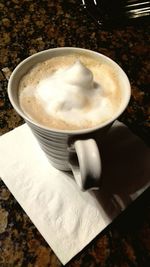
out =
column 60, row 167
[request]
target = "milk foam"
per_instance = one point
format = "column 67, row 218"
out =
column 70, row 95
column 73, row 95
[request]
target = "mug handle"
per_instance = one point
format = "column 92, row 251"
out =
column 87, row 169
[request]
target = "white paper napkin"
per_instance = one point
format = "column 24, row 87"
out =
column 67, row 218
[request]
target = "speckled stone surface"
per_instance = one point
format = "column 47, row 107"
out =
column 29, row 26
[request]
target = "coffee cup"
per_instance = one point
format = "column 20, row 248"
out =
column 72, row 149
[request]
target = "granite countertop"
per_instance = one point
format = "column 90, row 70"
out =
column 29, row 26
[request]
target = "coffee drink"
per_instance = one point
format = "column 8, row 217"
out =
column 70, row 92
column 69, row 98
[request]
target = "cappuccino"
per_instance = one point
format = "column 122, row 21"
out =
column 70, row 92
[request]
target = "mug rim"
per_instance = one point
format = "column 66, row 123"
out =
column 65, row 131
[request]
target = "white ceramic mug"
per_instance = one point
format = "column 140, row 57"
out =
column 74, row 150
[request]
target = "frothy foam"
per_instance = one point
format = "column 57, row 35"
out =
column 77, row 94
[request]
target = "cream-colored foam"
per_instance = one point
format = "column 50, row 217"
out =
column 70, row 92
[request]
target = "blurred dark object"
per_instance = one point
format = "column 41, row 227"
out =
column 110, row 13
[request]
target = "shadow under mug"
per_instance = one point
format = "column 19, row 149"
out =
column 70, row 150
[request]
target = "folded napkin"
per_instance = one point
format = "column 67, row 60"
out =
column 67, row 218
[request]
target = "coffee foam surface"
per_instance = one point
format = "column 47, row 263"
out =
column 74, row 94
